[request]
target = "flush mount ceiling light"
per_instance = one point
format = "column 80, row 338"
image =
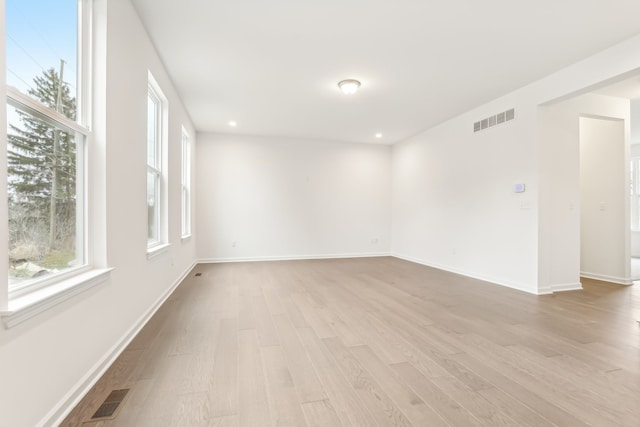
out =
column 349, row 86
column 378, row 135
column 233, row 124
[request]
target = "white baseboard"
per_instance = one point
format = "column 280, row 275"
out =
column 293, row 257
column 513, row 285
column 60, row 411
column 605, row 278
column 562, row 287
column 567, row 287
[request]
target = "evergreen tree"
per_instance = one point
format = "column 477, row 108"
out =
column 42, row 171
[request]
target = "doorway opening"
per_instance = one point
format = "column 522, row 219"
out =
column 619, row 154
column 586, row 210
column 604, row 233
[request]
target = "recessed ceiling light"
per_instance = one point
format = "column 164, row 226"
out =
column 378, row 135
column 349, row 86
column 233, row 124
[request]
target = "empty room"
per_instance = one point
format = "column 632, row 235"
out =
column 337, row 213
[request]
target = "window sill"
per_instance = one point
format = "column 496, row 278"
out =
column 186, row 238
column 29, row 305
column 157, row 250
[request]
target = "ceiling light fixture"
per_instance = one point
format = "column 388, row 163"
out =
column 349, row 86
column 233, row 124
column 378, row 135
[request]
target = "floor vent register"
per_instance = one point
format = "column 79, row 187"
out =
column 111, row 405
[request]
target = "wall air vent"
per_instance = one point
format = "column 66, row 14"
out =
column 497, row 119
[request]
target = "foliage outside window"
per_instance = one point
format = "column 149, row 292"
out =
column 45, row 141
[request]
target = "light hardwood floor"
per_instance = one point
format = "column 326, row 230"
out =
column 376, row 342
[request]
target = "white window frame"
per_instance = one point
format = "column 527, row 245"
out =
column 35, row 296
column 81, row 128
column 186, row 184
column 158, row 169
column 155, row 169
column 31, row 106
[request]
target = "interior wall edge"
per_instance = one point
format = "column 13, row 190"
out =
column 60, row 411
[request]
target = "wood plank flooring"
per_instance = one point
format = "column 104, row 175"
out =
column 376, row 342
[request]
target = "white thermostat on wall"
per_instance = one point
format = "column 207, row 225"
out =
column 518, row 188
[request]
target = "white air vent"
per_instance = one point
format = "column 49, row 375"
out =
column 494, row 120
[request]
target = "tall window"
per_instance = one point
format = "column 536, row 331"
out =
column 155, row 179
column 47, row 133
column 186, row 184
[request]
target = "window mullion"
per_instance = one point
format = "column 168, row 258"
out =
column 18, row 100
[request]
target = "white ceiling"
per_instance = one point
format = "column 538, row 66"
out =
column 273, row 65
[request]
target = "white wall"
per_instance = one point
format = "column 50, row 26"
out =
column 635, row 121
column 602, row 199
column 47, row 362
column 453, row 201
column 452, row 188
column 559, row 128
column 635, row 152
column 291, row 198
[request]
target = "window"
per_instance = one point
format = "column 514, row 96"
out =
column 156, row 220
column 47, row 134
column 186, row 184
